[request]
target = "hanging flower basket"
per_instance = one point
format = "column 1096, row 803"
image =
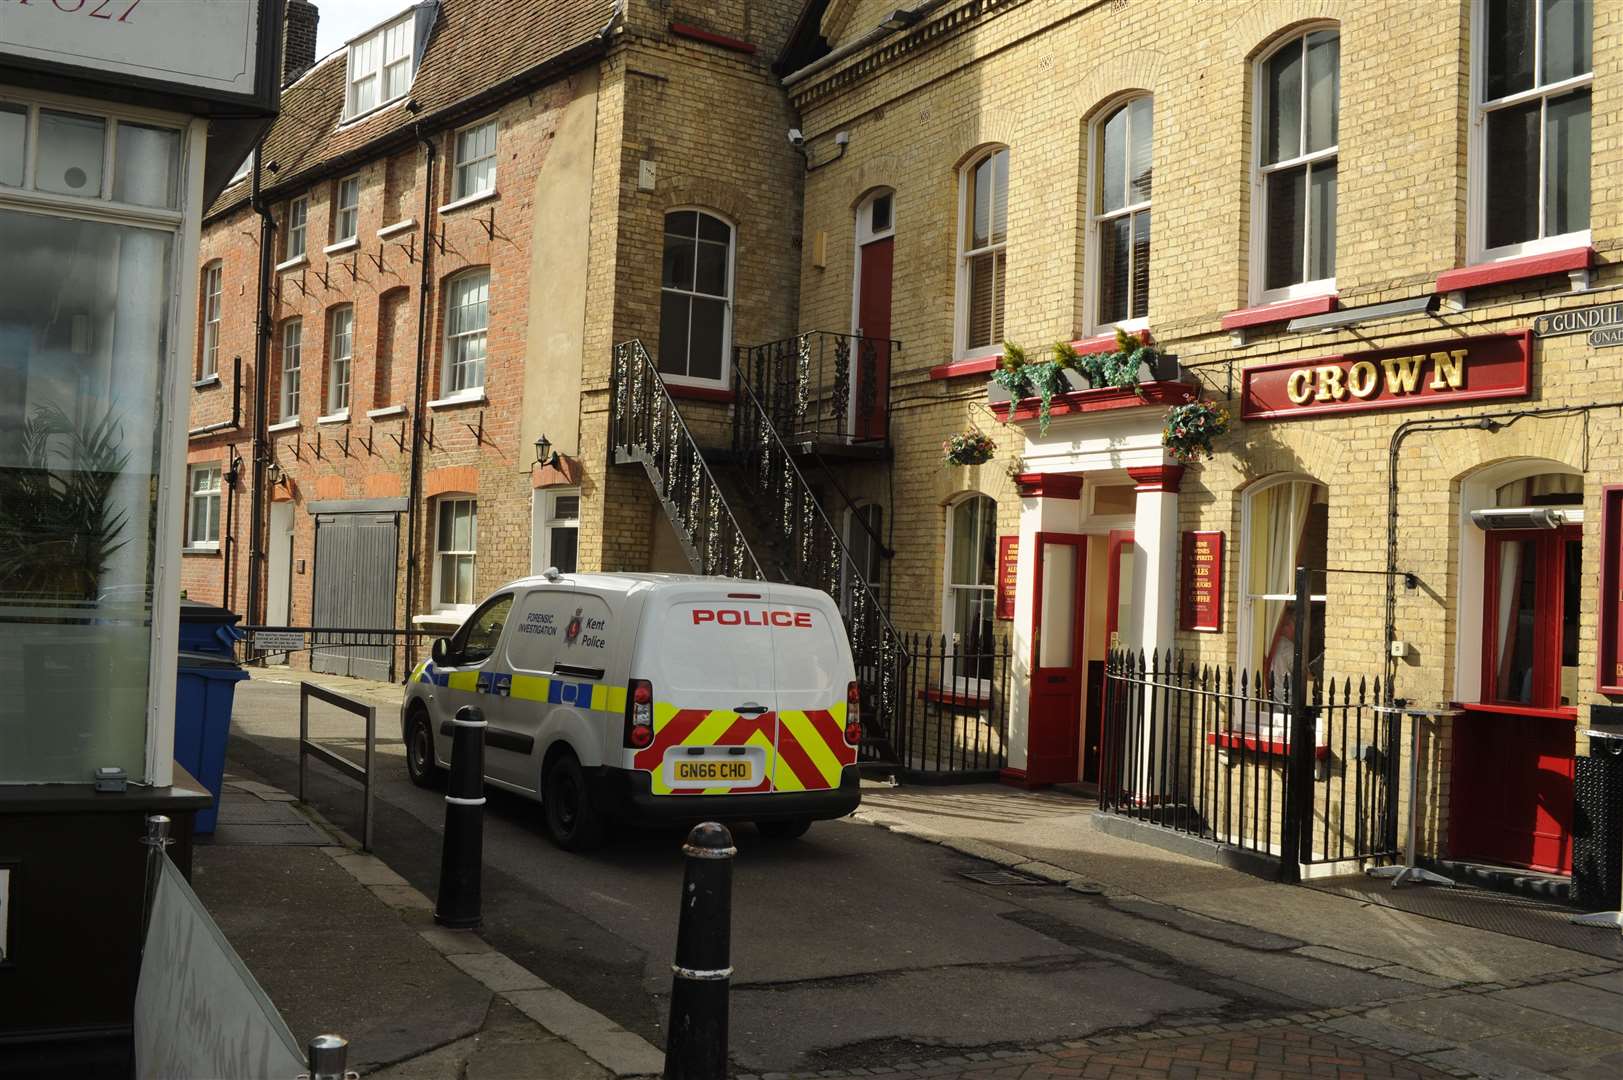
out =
column 968, row 448
column 1190, row 428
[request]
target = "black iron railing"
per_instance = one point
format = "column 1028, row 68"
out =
column 822, row 387
column 956, row 714
column 1199, row 750
column 646, row 427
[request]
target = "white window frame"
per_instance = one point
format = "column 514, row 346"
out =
column 1477, row 144
column 213, row 280
column 440, row 502
column 1095, row 273
column 298, row 222
column 950, row 589
column 244, row 169
column 340, row 366
column 960, row 333
column 547, row 519
column 460, row 166
column 369, row 49
column 855, row 535
column 449, row 368
column 208, row 499
column 867, row 234
column 291, row 368
column 1258, row 271
column 724, row 380
column 1247, row 532
column 346, row 213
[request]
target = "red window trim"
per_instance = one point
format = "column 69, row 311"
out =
column 955, row 698
column 700, row 393
column 1530, row 266
column 1283, row 311
column 710, row 37
column 1225, row 741
column 1085, row 401
column 1105, row 342
column 1556, row 712
column 1549, row 554
column 980, row 365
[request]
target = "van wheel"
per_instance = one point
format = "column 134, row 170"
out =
column 792, row 829
column 572, row 821
column 420, row 750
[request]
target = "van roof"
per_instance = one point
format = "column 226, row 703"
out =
column 644, row 582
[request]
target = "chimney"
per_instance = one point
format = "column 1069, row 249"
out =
column 298, row 39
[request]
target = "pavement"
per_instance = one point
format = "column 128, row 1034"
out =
column 971, row 931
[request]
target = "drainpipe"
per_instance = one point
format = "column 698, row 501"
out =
column 419, row 396
column 259, row 447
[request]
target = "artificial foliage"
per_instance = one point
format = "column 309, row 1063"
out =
column 970, row 447
column 1189, row 429
column 1024, row 377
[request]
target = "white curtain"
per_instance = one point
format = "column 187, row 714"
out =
column 1278, row 517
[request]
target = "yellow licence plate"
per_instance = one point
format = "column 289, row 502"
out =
column 704, row 771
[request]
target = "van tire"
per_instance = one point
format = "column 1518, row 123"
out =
column 573, row 822
column 420, row 766
column 792, row 829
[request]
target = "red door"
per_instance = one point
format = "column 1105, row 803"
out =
column 1057, row 665
column 870, row 366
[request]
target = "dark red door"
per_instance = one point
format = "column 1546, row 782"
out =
column 1057, row 664
column 870, row 373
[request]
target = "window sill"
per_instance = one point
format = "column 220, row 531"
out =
column 397, row 228
column 700, row 393
column 284, row 425
column 201, row 549
column 1276, row 747
column 1155, row 394
column 1530, row 266
column 468, row 200
column 293, row 264
column 475, row 396
column 342, row 246
column 340, row 417
column 1557, row 712
column 385, row 413
column 958, row 368
column 1278, row 312
column 710, row 37
column 447, row 617
column 206, row 381
column 1103, row 343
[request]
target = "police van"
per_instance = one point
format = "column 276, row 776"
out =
column 649, row 698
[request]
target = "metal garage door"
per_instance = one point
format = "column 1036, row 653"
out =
column 354, row 587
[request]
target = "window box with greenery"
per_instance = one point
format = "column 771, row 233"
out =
column 1135, row 360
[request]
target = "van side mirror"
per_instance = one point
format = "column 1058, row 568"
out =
column 439, row 650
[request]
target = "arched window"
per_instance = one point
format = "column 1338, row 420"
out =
column 983, row 226
column 1121, row 213
column 1284, row 524
column 696, row 299
column 1531, row 594
column 971, row 570
column 1294, row 225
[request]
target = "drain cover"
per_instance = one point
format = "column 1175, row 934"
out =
column 1002, row 877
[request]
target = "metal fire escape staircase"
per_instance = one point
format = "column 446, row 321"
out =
column 746, row 510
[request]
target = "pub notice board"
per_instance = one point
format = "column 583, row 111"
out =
column 1008, row 568
column 1200, row 604
column 1609, row 658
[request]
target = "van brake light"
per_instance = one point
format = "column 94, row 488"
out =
column 639, row 733
column 853, row 713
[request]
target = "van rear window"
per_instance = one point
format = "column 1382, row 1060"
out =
column 747, row 647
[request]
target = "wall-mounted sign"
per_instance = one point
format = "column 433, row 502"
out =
column 1606, row 337
column 1609, row 658
column 1579, row 320
column 1430, row 373
column 1200, row 605
column 1008, row 568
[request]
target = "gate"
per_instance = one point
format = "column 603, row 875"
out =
column 354, row 585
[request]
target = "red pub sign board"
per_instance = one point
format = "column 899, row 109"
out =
column 1008, row 569
column 1202, row 600
column 1484, row 368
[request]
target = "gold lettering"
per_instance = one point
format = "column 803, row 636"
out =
column 1402, row 373
column 1330, row 388
column 1448, row 370
column 1363, row 379
column 1300, row 386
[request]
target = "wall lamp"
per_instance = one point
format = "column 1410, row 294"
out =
column 544, row 453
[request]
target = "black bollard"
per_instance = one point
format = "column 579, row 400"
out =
column 696, row 1040
column 462, row 850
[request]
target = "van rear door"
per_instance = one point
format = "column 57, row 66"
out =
column 707, row 653
column 812, row 673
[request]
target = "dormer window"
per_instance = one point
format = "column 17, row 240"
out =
column 380, row 66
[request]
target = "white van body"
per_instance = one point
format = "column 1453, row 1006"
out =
column 663, row 697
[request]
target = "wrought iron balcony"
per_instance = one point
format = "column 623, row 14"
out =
column 823, row 390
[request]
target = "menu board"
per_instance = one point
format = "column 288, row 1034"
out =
column 1008, row 569
column 1201, row 601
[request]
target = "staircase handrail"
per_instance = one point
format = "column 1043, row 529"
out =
column 638, row 353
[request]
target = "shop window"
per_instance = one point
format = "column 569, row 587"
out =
column 696, row 299
column 1284, row 524
column 298, row 214
column 558, row 532
column 292, row 358
column 346, row 214
column 1531, row 610
column 467, row 319
column 971, row 573
column 1121, row 214
column 209, row 363
column 456, row 539
column 380, row 66
column 983, row 261
column 864, row 533
column 475, row 161
column 1532, row 74
column 203, row 507
column 1299, row 101
column 340, row 357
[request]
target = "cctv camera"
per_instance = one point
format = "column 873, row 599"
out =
column 796, row 138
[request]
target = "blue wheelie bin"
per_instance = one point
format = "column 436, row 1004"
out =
column 206, row 686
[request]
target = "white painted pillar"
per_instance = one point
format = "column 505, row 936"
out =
column 1049, row 502
column 1155, row 558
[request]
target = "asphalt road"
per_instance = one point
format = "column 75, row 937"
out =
column 852, row 946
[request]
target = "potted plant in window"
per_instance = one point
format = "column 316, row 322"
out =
column 1189, row 428
column 1017, row 377
column 970, row 447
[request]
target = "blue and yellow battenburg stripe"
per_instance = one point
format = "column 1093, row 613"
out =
column 582, row 695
